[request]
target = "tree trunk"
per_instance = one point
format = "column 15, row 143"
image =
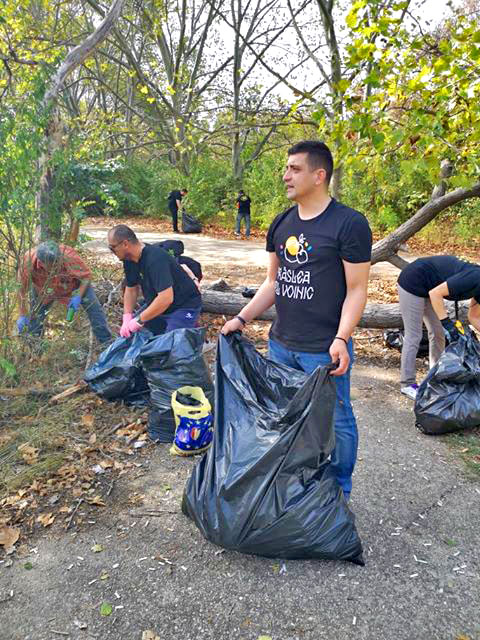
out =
column 386, row 248
column 375, row 316
column 50, row 217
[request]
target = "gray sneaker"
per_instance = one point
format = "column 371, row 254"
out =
column 410, row 391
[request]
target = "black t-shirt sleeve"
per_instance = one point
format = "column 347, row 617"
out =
column 355, row 240
column 270, row 243
column 270, row 246
column 158, row 268
column 132, row 275
column 464, row 282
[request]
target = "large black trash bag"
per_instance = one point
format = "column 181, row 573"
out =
column 449, row 397
column 117, row 374
column 170, row 361
column 395, row 338
column 190, row 224
column 265, row 486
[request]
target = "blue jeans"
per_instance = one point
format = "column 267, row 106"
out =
column 246, row 217
column 344, row 455
column 91, row 305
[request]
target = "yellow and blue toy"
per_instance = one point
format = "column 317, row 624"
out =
column 194, row 423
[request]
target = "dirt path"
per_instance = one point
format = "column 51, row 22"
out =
column 212, row 251
column 417, row 514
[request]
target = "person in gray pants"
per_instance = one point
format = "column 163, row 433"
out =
column 423, row 287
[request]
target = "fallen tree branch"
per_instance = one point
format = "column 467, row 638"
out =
column 79, row 387
column 386, row 248
column 375, row 316
column 18, row 393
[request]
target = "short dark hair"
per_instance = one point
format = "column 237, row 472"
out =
column 121, row 232
column 319, row 155
column 184, row 190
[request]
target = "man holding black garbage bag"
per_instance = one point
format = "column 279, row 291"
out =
column 172, row 298
column 319, row 261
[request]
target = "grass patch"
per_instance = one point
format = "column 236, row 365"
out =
column 467, row 444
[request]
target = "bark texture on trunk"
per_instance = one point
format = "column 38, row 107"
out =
column 375, row 316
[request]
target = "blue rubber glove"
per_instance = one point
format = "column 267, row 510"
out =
column 22, row 323
column 75, row 302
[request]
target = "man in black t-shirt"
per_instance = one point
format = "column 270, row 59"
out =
column 172, row 298
column 243, row 206
column 319, row 261
column 422, row 287
column 174, row 204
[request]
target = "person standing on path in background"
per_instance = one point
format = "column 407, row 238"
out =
column 243, row 206
column 319, row 262
column 422, row 287
column 52, row 273
column 172, row 298
column 174, row 204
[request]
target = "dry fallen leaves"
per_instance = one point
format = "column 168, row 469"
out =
column 28, row 453
column 46, row 519
column 88, row 420
column 8, row 536
column 97, row 501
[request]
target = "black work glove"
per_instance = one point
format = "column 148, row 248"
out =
column 453, row 330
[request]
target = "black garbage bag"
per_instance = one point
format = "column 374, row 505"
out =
column 190, row 224
column 449, row 397
column 249, row 292
column 265, row 486
column 394, row 340
column 171, row 361
column 117, row 374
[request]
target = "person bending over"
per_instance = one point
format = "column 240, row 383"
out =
column 423, row 286
column 52, row 273
column 172, row 298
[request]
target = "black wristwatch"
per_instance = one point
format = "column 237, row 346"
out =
column 137, row 318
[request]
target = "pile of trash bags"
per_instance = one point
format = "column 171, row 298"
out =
column 449, row 397
column 170, row 361
column 145, row 370
column 118, row 375
column 265, row 485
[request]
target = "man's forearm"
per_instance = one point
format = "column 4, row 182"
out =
column 438, row 304
column 352, row 310
column 158, row 306
column 129, row 300
column 83, row 287
column 22, row 302
column 262, row 300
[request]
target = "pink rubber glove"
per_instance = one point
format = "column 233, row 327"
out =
column 133, row 326
column 124, row 332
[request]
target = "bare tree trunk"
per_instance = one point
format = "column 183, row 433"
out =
column 336, row 183
column 375, row 316
column 50, row 220
column 386, row 249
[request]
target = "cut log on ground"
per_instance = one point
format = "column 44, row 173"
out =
column 375, row 316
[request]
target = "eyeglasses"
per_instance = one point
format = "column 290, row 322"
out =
column 112, row 247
